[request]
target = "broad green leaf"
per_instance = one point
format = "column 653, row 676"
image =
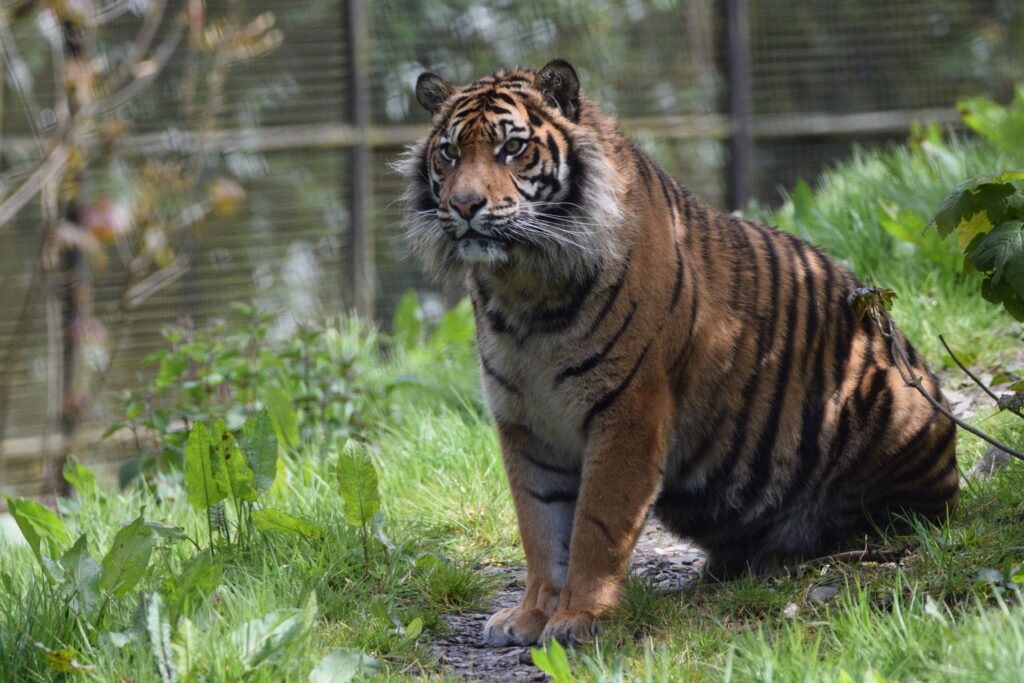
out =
column 260, row 445
column 344, row 665
column 167, row 531
column 1001, row 253
column 282, row 414
column 997, row 200
column 950, row 211
column 206, row 479
column 40, row 526
column 968, row 229
column 408, row 321
column 553, row 661
column 186, row 646
column 1003, row 126
column 125, row 563
column 1003, row 293
column 456, row 327
column 81, row 578
column 274, row 520
column 224, row 449
column 80, row 477
column 414, row 628
column 266, row 639
column 199, row 577
column 280, row 485
column 357, row 480
column 159, row 630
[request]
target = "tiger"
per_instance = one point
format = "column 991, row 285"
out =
column 644, row 354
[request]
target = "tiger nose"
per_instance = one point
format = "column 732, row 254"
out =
column 467, row 204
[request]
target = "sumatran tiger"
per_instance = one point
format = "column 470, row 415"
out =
column 643, row 352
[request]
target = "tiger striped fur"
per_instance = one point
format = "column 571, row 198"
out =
column 643, row 352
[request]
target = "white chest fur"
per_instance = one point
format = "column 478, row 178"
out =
column 519, row 381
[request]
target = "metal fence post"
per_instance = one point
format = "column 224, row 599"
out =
column 741, row 144
column 363, row 275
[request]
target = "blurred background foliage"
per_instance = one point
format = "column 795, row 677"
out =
column 271, row 140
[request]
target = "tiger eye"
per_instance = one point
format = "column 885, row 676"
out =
column 450, row 150
column 513, row 146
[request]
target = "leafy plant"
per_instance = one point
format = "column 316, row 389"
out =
column 357, row 483
column 987, row 214
column 552, row 660
column 1002, row 126
column 310, row 386
column 217, row 469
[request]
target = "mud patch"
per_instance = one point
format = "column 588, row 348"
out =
column 660, row 560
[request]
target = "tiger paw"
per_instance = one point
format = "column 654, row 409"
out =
column 569, row 627
column 514, row 626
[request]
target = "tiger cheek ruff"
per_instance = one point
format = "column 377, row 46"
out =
column 643, row 352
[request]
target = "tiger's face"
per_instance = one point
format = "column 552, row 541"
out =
column 509, row 178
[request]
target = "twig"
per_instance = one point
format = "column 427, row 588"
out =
column 966, row 371
column 907, row 372
column 15, row 65
column 161, row 57
column 50, row 169
column 853, row 556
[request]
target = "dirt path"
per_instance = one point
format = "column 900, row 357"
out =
column 660, row 560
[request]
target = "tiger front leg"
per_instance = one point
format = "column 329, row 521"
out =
column 621, row 477
column 544, row 492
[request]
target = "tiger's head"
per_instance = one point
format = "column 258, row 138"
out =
column 516, row 176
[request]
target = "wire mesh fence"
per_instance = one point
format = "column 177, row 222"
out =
column 310, row 129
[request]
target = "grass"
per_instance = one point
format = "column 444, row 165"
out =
column 951, row 612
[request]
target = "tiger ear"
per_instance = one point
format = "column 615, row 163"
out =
column 560, row 86
column 432, row 91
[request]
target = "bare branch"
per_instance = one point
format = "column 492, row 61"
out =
column 139, row 46
column 16, row 66
column 50, row 169
column 966, row 371
column 156, row 65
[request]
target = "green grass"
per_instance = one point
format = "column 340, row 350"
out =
column 446, row 511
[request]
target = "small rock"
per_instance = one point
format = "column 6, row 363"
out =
column 791, row 610
column 994, row 460
column 822, row 594
column 525, row 657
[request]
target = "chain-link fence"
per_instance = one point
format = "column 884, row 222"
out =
column 736, row 98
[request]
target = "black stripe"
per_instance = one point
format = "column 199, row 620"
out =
column 556, row 154
column 686, row 347
column 761, row 465
column 558, row 318
column 608, row 399
column 498, row 377
column 613, row 294
column 591, row 362
column 808, row 451
column 863, row 403
column 600, row 525
column 922, row 465
column 641, row 164
column 678, row 287
column 507, row 99
column 540, row 464
column 556, row 496
column 855, row 461
column 664, row 191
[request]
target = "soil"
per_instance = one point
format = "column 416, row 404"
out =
column 661, row 560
